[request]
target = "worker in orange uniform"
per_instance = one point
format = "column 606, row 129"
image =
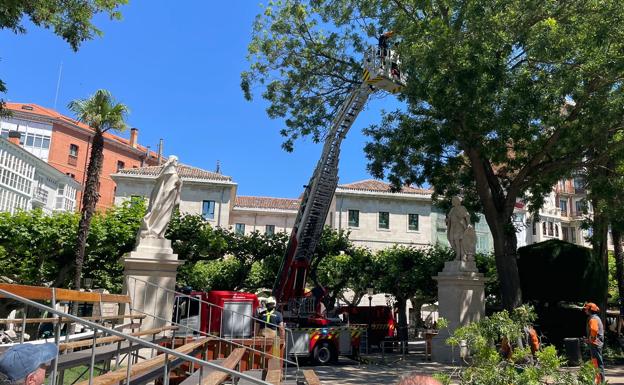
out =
column 595, row 338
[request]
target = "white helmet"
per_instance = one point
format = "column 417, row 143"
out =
column 271, row 300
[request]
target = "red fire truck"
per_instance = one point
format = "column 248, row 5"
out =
column 315, row 335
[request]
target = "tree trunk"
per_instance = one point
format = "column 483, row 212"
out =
column 416, row 318
column 619, row 262
column 506, row 255
column 498, row 208
column 402, row 332
column 599, row 241
column 89, row 200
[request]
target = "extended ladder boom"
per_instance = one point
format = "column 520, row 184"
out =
column 318, row 194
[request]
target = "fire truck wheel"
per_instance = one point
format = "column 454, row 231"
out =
column 324, row 353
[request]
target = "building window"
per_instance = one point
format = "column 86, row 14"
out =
column 239, row 228
column 384, row 220
column 534, row 225
column 580, row 207
column 120, row 165
column 354, row 218
column 269, row 229
column 563, row 205
column 412, row 222
column 572, row 235
column 556, row 230
column 208, row 209
column 579, row 185
column 72, row 159
column 73, row 150
column 544, row 228
column 550, row 228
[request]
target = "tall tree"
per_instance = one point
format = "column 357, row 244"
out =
column 498, row 103
column 101, row 113
column 71, row 20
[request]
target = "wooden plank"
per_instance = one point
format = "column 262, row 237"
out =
column 77, row 296
column 111, row 339
column 116, row 298
column 274, row 377
column 28, row 292
column 311, row 377
column 65, row 320
column 114, row 377
column 45, row 293
column 193, row 379
column 217, row 377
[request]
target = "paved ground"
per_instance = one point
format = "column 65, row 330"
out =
column 392, row 368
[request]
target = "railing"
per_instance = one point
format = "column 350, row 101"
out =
column 245, row 329
column 167, row 352
column 41, row 195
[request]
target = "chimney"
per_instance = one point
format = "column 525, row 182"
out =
column 146, row 157
column 134, row 134
column 14, row 137
column 160, row 151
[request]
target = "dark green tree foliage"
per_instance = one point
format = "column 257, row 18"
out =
column 487, row 84
column 71, row 20
column 37, row 248
column 406, row 272
column 555, row 270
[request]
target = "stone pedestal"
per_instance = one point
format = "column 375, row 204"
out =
column 461, row 300
column 149, row 272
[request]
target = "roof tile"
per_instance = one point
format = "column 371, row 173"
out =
column 185, row 172
column 379, row 186
column 50, row 113
column 267, row 203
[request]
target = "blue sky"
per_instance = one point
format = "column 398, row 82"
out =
column 177, row 66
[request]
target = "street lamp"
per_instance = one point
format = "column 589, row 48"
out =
column 370, row 292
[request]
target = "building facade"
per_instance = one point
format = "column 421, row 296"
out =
column 28, row 182
column 203, row 192
column 375, row 216
column 65, row 144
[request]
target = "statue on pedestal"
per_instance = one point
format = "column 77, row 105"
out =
column 460, row 232
column 163, row 199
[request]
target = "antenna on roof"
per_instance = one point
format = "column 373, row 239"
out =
column 218, row 170
column 58, row 84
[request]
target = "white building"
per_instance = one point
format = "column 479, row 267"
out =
column 27, row 182
column 203, row 192
column 374, row 216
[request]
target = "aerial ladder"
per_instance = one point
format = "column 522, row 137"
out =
column 380, row 73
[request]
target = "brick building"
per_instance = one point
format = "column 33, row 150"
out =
column 65, row 144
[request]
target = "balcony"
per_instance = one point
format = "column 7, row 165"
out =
column 40, row 196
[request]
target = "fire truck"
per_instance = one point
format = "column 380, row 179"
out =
column 317, row 336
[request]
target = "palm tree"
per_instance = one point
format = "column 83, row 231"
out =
column 101, row 113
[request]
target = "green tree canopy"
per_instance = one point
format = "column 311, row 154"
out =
column 499, row 102
column 407, row 272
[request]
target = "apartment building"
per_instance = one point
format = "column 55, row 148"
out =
column 64, row 143
column 27, row 182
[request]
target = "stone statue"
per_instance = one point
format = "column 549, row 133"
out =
column 469, row 244
column 459, row 231
column 163, row 199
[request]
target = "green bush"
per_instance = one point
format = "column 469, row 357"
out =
column 486, row 366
